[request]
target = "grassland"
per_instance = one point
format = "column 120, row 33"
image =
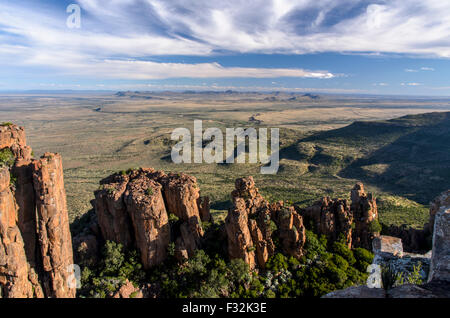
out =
column 324, row 152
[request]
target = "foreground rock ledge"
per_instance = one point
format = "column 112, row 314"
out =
column 438, row 285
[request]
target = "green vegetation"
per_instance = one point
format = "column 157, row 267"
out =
column 7, row 158
column 6, row 123
column 392, row 277
column 375, row 226
column 115, row 268
column 208, row 274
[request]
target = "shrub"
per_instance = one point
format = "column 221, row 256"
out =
column 313, row 246
column 113, row 271
column 7, row 158
column 375, row 226
column 340, row 262
column 363, row 258
column 344, row 251
column 277, row 263
column 389, row 277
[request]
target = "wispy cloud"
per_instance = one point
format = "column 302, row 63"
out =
column 118, row 36
column 411, row 84
column 426, row 69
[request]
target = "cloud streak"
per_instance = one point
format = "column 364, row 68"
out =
column 119, row 37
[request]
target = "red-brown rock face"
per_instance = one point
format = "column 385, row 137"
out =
column 113, row 218
column 251, row 223
column 14, row 281
column 364, row 210
column 35, row 239
column 53, row 226
column 13, row 137
column 145, row 205
column 133, row 209
column 330, row 217
column 336, row 218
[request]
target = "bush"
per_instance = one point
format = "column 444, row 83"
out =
column 389, row 277
column 344, row 251
column 114, row 270
column 277, row 263
column 363, row 258
column 7, row 158
column 340, row 262
column 313, row 246
column 375, row 226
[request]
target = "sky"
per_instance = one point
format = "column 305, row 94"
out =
column 393, row 47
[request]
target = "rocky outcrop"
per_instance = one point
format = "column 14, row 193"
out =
column 414, row 240
column 340, row 219
column 13, row 137
column 330, row 217
column 365, row 215
column 440, row 261
column 182, row 194
column 54, row 236
column 389, row 251
column 133, row 209
column 110, row 208
column 145, row 205
column 14, row 282
column 252, row 221
column 443, row 200
column 35, row 240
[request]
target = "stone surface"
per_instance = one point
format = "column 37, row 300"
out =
column 148, row 213
column 133, row 209
column 113, row 218
column 440, row 260
column 240, row 243
column 35, row 239
column 13, row 137
column 358, row 292
column 392, row 246
column 443, row 200
column 54, row 235
column 330, row 217
column 365, row 211
column 204, row 209
column 14, row 281
column 250, row 224
column 127, row 290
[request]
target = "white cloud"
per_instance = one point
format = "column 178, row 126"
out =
column 116, row 35
column 380, row 84
column 421, row 69
column 144, row 70
column 411, row 84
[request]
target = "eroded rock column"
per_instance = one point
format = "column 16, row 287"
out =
column 54, row 236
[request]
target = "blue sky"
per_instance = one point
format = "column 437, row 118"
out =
column 347, row 46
